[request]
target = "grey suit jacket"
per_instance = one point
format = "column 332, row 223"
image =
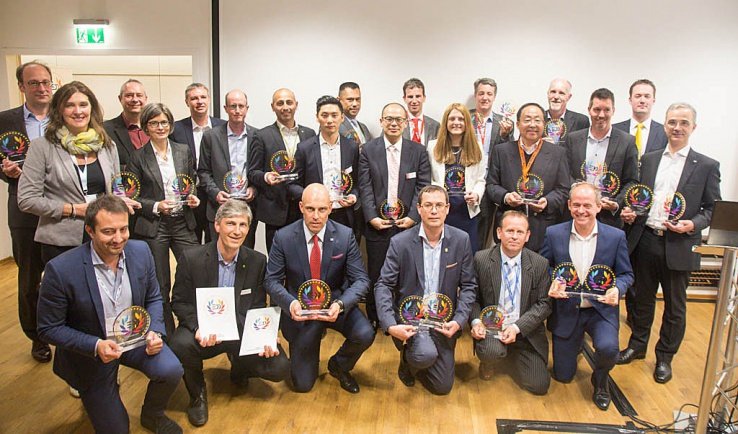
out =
column 116, row 129
column 49, row 181
column 215, row 162
column 12, row 120
column 574, row 122
column 347, row 130
column 403, row 274
column 535, row 305
column 430, row 130
column 656, row 137
column 182, row 132
column 496, row 138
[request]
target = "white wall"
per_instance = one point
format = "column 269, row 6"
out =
column 689, row 49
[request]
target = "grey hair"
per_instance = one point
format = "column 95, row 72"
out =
column 683, row 105
column 584, row 184
column 233, row 208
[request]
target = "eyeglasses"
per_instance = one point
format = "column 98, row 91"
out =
column 155, row 124
column 433, row 206
column 36, row 83
column 390, row 119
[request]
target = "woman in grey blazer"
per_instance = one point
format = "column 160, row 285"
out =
column 66, row 169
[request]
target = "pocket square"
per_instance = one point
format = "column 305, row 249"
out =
column 337, row 256
column 452, row 265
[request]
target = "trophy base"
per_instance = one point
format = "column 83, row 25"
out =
column 589, row 295
column 239, row 196
column 132, row 344
column 530, row 201
column 288, row 177
column 338, row 197
column 456, row 193
column 429, row 324
column 315, row 312
column 18, row 162
column 639, row 211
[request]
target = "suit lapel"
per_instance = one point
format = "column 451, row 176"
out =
column 405, row 157
column 211, row 266
column 443, row 260
column 302, row 133
column 495, row 263
column 94, row 288
column 301, row 246
column 526, row 282
column 69, row 165
column 689, row 167
column 328, row 244
column 381, row 162
column 316, row 151
column 419, row 263
column 223, row 145
column 612, row 148
column 152, row 166
column 240, row 280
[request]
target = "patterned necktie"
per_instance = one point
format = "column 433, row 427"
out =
column 511, row 287
column 315, row 259
column 393, row 169
column 639, row 138
column 416, row 131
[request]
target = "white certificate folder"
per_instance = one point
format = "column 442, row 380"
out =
column 260, row 329
column 216, row 313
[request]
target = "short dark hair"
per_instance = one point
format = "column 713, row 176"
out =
column 19, row 70
column 431, row 188
column 327, row 100
column 529, row 104
column 642, row 81
column 513, row 213
column 152, row 110
column 602, row 93
column 194, row 86
column 485, row 80
column 349, row 85
column 107, row 202
column 411, row 83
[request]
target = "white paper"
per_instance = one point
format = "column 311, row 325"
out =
column 260, row 329
column 216, row 313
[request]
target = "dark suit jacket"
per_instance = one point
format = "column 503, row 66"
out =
column 574, row 122
column 273, row 200
column 612, row 250
column 621, row 158
column 403, row 274
column 116, row 129
column 496, row 138
column 430, row 130
column 551, row 165
column 373, row 179
column 70, row 309
column 12, row 120
column 535, row 305
column 215, row 162
column 198, row 268
column 656, row 137
column 700, row 186
column 143, row 164
column 347, row 130
column 182, row 132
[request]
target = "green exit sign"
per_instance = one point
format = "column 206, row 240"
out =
column 90, row 35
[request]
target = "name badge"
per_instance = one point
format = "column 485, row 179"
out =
column 410, row 175
column 246, row 291
column 349, row 170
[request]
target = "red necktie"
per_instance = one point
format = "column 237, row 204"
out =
column 315, row 259
column 416, row 131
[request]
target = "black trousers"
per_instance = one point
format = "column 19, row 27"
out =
column 201, row 219
column 293, row 214
column 376, row 252
column 27, row 256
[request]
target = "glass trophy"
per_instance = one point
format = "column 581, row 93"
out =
column 507, row 110
column 674, row 207
column 181, row 187
column 554, row 131
column 130, row 327
column 340, row 185
column 392, row 210
column 283, row 165
column 530, row 188
column 599, row 279
column 411, row 310
column 315, row 297
column 566, row 273
column 437, row 310
column 235, row 184
column 125, row 184
column 639, row 198
column 608, row 183
column 493, row 319
column 454, row 182
column 590, row 171
column 14, row 146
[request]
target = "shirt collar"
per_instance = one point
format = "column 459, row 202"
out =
column 232, row 134
column 607, row 136
column 128, row 125
column 28, row 114
column 646, row 123
column 198, row 127
column 286, row 129
column 682, row 152
column 387, row 143
column 227, row 264
column 587, row 238
column 309, row 235
column 97, row 261
column 512, row 261
column 323, row 141
column 422, row 234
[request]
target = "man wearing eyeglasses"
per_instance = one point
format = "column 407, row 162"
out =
column 433, row 261
column 27, row 121
column 392, row 170
column 227, row 148
column 125, row 130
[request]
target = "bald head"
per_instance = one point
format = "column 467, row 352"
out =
column 284, row 106
column 315, row 207
column 236, row 105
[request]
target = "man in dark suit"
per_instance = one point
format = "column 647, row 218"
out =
column 559, row 94
column 26, row 122
column 661, row 247
column 431, row 258
column 225, row 262
column 317, row 248
column 227, row 148
column 585, row 242
column 328, row 159
column 530, row 155
column 190, row 131
column 83, row 292
column 420, row 128
column 516, row 280
column 349, row 94
column 648, row 132
column 275, row 206
column 125, row 130
column 392, row 170
column 590, row 148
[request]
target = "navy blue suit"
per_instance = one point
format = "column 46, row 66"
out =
column 342, row 269
column 71, row 317
column 569, row 322
column 656, row 137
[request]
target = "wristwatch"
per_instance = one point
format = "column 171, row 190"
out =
column 340, row 305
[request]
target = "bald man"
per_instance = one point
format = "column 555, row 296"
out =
column 559, row 94
column 275, row 207
column 318, row 248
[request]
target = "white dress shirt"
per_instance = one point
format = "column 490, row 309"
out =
column 644, row 133
column 582, row 251
column 665, row 185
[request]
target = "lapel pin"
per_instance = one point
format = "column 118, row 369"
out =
column 331, row 239
column 445, row 249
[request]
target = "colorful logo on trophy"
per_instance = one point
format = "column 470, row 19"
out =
column 282, row 163
column 555, row 130
column 600, row 278
column 182, row 185
column 261, row 322
column 235, row 183
column 125, row 184
column 314, row 294
column 674, row 206
column 411, row 309
column 340, row 183
column 454, row 179
column 507, row 110
column 14, row 145
column 530, row 188
column 639, row 198
column 608, row 183
column 438, row 307
column 492, row 318
column 590, row 170
column 216, row 306
column 131, row 325
column 567, row 273
column 392, row 210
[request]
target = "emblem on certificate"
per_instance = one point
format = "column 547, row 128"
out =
column 554, row 131
column 590, row 171
column 639, row 198
column 608, row 183
column 392, row 210
column 340, row 184
column 493, row 319
column 599, row 279
column 130, row 327
column 314, row 296
column 235, row 184
column 674, row 207
column 438, row 309
column 125, row 184
column 14, row 146
column 454, row 182
column 284, row 165
column 530, row 188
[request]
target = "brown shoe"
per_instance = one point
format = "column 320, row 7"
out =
column 485, row 371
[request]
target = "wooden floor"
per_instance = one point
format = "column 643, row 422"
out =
column 34, row 400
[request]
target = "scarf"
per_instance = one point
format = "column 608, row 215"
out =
column 83, row 143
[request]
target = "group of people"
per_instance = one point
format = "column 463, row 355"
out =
column 458, row 212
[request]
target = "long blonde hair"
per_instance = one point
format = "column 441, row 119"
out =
column 471, row 153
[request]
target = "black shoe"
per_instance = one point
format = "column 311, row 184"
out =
column 662, row 373
column 40, row 352
column 403, row 371
column 197, row 411
column 628, row 355
column 344, row 377
column 160, row 424
column 601, row 398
